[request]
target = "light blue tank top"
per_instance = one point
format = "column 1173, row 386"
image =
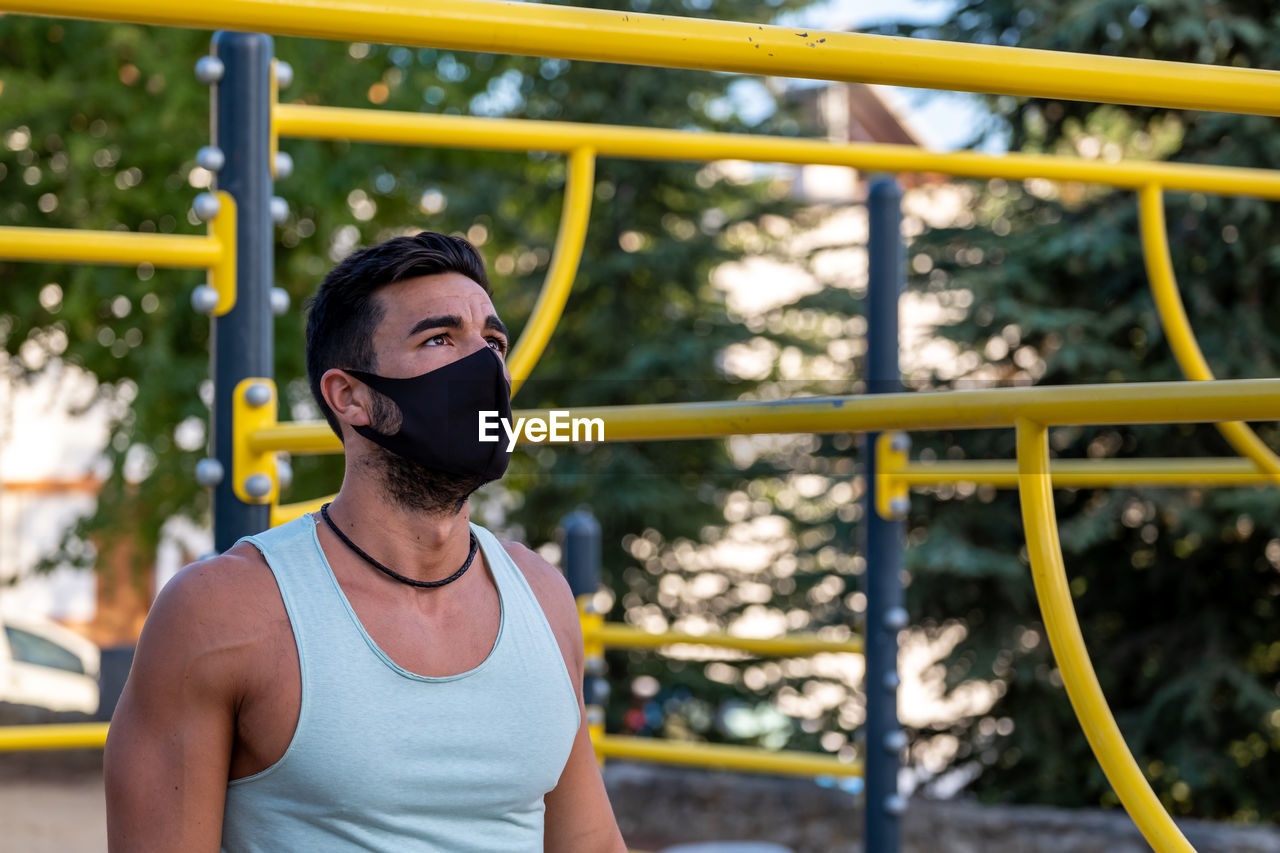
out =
column 383, row 759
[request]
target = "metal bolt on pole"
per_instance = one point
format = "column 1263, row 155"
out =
column 884, row 538
column 242, row 340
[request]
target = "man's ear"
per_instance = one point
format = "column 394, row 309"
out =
column 347, row 397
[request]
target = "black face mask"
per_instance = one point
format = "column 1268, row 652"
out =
column 440, row 415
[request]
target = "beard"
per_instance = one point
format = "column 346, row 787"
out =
column 409, row 484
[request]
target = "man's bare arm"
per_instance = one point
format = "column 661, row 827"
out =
column 579, row 818
column 170, row 742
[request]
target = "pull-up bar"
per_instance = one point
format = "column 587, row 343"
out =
column 535, row 29
column 304, row 121
column 216, row 252
column 896, row 474
column 1065, row 405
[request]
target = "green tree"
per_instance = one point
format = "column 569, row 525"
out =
column 1175, row 589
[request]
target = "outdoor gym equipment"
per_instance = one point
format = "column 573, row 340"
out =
column 246, row 435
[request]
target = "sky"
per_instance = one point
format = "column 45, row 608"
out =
column 942, row 121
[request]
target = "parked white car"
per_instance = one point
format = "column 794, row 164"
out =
column 48, row 666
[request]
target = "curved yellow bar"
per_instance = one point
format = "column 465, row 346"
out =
column 578, row 187
column 694, row 754
column 1049, row 573
column 53, row 736
column 615, row 636
column 391, row 127
column 538, row 29
column 1177, row 328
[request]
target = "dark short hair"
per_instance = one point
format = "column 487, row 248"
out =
column 343, row 315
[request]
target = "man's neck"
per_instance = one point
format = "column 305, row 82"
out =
column 419, row 545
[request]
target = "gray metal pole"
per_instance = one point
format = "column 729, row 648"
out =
column 241, row 342
column 884, row 542
column 580, row 550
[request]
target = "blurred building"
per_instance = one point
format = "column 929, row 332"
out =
column 51, row 467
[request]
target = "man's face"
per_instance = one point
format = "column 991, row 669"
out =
column 433, row 320
column 428, row 322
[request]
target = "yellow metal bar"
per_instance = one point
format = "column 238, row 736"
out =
column 216, row 252
column 727, row 757
column 1054, row 595
column 1087, row 473
column 1177, row 328
column 593, row 654
column 296, row 437
column 55, row 736
column 537, row 29
column 284, row 513
column 273, row 105
column 222, row 233
column 1118, row 403
column 892, row 500
column 404, row 128
column 74, row 245
column 253, row 404
column 578, row 188
column 624, row 637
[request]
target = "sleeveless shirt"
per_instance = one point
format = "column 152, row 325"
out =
column 383, row 759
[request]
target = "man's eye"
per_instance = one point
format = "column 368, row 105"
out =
column 434, row 339
column 499, row 345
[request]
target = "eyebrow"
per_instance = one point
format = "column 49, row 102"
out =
column 453, row 321
column 444, row 321
column 492, row 322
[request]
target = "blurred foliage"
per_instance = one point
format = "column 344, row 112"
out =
column 1175, row 589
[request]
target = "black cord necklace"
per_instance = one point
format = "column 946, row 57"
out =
column 475, row 546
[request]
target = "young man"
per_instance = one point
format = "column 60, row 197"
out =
column 384, row 675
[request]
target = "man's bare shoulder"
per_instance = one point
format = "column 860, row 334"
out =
column 238, row 574
column 549, row 585
column 217, row 603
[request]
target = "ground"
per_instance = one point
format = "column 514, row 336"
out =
column 48, row 816
column 52, row 802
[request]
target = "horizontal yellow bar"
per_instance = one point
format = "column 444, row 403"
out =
column 94, row 735
column 403, row 128
column 108, row 247
column 58, row 736
column 728, row 757
column 537, row 29
column 1120, row 403
column 1082, row 473
column 624, row 637
column 297, row 437
column 283, row 513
